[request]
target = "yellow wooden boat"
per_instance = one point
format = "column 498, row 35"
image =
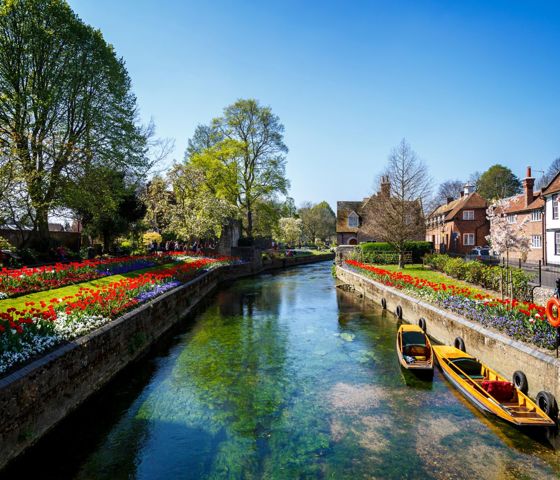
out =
column 475, row 381
column 414, row 349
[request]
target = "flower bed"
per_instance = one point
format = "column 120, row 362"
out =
column 520, row 320
column 21, row 281
column 476, row 272
column 25, row 333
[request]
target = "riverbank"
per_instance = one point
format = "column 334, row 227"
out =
column 36, row 397
column 282, row 376
column 497, row 350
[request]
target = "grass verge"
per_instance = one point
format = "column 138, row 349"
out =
column 19, row 302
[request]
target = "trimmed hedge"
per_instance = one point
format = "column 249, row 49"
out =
column 417, row 248
column 478, row 273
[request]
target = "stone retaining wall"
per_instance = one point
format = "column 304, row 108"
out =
column 38, row 396
column 500, row 352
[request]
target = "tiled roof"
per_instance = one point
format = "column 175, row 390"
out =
column 451, row 209
column 517, row 203
column 553, row 186
column 343, row 209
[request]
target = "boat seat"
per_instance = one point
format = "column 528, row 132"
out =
column 416, row 351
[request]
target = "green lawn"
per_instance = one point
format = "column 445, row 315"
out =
column 19, row 302
column 419, row 271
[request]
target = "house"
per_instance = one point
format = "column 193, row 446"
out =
column 551, row 224
column 355, row 220
column 459, row 224
column 526, row 210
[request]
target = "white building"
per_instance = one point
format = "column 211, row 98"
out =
column 551, row 195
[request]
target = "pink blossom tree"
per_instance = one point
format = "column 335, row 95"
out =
column 506, row 236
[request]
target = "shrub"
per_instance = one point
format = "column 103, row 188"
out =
column 149, row 237
column 418, row 249
column 487, row 276
column 5, row 245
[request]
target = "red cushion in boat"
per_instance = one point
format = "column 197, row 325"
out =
column 501, row 391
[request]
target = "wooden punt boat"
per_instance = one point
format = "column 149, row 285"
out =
column 414, row 349
column 488, row 390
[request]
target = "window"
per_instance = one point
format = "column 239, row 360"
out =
column 536, row 216
column 512, row 218
column 468, row 214
column 468, row 238
column 555, row 207
column 556, row 243
column 536, row 241
column 353, row 220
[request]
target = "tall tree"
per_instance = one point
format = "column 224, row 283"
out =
column 106, row 204
column 204, row 137
column 448, row 189
column 157, row 196
column 318, row 220
column 398, row 213
column 498, row 182
column 65, row 102
column 248, row 165
column 290, row 230
column 195, row 212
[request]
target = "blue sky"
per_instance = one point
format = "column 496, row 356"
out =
column 467, row 83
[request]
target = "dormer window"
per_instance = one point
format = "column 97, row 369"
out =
column 353, row 220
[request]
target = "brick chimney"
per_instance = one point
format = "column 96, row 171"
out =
column 385, row 187
column 449, row 200
column 528, row 184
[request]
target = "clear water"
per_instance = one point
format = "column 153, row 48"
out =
column 278, row 377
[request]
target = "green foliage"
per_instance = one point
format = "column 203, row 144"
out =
column 65, row 105
column 498, row 182
column 149, row 237
column 196, row 211
column 478, row 273
column 243, row 156
column 290, row 230
column 106, row 202
column 5, row 245
column 319, row 221
column 417, row 248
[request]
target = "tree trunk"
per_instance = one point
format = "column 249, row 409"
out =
column 106, row 242
column 43, row 228
column 249, row 229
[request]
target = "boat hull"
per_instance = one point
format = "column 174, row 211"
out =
column 424, row 368
column 520, row 410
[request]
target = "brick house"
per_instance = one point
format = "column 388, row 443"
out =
column 551, row 221
column 459, row 225
column 528, row 207
column 355, row 219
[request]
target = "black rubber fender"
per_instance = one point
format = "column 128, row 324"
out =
column 384, row 303
column 422, row 324
column 547, row 403
column 398, row 312
column 520, row 381
column 460, row 344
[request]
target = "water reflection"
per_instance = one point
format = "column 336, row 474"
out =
column 285, row 376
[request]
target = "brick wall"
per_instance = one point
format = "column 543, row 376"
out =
column 530, row 229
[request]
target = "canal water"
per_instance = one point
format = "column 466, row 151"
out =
column 283, row 376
